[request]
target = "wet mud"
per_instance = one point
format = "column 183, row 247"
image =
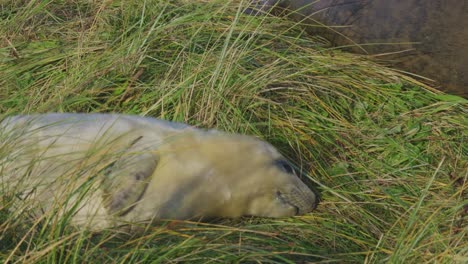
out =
column 424, row 37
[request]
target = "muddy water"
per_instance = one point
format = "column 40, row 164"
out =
column 426, row 37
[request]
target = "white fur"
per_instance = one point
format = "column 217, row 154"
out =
column 134, row 169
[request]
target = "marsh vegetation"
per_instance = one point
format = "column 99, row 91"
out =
column 388, row 153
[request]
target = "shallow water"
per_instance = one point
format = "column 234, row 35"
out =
column 426, row 37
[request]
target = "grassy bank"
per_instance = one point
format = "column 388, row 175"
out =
column 389, row 154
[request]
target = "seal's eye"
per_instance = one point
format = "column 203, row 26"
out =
column 284, row 166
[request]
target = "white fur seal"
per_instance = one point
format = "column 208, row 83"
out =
column 111, row 169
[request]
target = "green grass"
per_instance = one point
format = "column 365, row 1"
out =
column 389, row 154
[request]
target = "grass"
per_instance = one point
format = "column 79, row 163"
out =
column 389, row 154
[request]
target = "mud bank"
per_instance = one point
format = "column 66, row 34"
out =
column 424, row 37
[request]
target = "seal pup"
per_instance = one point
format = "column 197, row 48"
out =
column 111, row 169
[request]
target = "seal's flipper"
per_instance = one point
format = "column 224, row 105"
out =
column 126, row 181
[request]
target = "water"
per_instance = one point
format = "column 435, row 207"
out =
column 425, row 37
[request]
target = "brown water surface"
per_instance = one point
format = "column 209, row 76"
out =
column 424, row 37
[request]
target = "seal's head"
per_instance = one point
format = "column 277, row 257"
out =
column 262, row 181
column 222, row 175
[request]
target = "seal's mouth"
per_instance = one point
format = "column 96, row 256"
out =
column 296, row 212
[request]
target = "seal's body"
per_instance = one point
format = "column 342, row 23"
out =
column 108, row 169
